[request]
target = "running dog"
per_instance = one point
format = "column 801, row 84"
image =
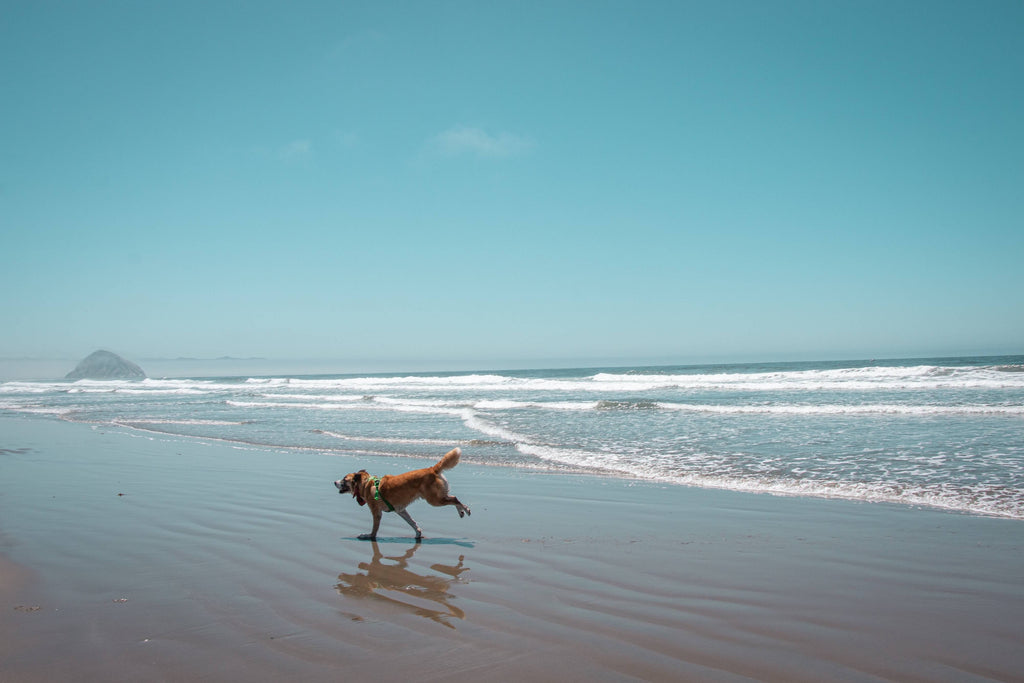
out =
column 394, row 493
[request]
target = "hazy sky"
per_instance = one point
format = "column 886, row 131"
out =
column 485, row 182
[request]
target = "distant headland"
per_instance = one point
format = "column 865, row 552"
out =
column 105, row 365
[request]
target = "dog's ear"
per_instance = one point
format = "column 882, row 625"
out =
column 357, row 482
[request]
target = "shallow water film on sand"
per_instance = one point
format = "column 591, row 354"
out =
column 938, row 432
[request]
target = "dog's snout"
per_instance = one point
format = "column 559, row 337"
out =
column 341, row 486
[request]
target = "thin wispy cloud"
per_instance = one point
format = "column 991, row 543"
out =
column 346, row 139
column 465, row 140
column 296, row 150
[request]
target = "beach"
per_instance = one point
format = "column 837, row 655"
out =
column 129, row 556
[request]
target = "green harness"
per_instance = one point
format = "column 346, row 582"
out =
column 377, row 496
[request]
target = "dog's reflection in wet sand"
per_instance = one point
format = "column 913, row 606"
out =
column 389, row 579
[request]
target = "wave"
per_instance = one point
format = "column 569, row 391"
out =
column 478, row 423
column 375, row 382
column 995, row 501
column 1008, row 368
column 870, row 378
column 338, row 398
column 860, row 409
column 27, row 388
column 432, row 408
column 848, row 379
column 853, row 379
column 627, row 405
column 181, row 391
column 489, row 419
column 508, row 404
column 196, row 422
column 753, row 409
column 385, row 439
column 142, row 387
column 442, row 407
column 32, row 402
column 33, row 409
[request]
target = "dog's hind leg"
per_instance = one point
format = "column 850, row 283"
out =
column 452, row 500
column 412, row 522
column 438, row 496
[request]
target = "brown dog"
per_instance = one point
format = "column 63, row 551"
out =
column 396, row 492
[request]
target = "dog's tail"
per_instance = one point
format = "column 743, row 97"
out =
column 450, row 460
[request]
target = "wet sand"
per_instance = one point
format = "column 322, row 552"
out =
column 129, row 558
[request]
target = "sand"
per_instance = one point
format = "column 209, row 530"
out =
column 127, row 558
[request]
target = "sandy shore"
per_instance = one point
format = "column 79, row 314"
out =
column 132, row 558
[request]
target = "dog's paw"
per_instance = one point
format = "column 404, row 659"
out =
column 367, row 537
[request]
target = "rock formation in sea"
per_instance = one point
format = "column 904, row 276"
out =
column 105, row 365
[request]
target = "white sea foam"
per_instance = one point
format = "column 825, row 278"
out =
column 27, row 388
column 306, row 405
column 872, row 378
column 337, row 398
column 383, row 383
column 853, row 379
column 850, row 379
column 287, row 404
column 975, row 499
column 145, row 386
column 385, row 439
column 753, row 409
column 480, row 424
column 405, row 402
column 505, row 404
column 860, row 409
column 197, row 422
column 373, row 405
column 33, row 409
column 576, row 457
column 181, row 391
column 275, row 381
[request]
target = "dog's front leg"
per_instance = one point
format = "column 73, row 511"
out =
column 372, row 536
column 412, row 522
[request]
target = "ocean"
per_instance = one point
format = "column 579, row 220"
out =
column 945, row 432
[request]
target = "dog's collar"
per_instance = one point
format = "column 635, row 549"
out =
column 377, row 496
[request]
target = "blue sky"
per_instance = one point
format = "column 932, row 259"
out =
column 483, row 184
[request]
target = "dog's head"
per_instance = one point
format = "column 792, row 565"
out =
column 354, row 483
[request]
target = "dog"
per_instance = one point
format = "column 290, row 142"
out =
column 396, row 492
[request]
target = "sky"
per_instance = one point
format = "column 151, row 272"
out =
column 489, row 184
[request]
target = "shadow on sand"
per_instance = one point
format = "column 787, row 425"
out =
column 422, row 541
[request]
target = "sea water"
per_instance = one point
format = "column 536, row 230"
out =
column 937, row 432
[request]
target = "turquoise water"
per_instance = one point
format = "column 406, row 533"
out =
column 938, row 432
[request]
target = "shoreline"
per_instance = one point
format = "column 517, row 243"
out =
column 219, row 562
column 818, row 490
column 939, row 436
